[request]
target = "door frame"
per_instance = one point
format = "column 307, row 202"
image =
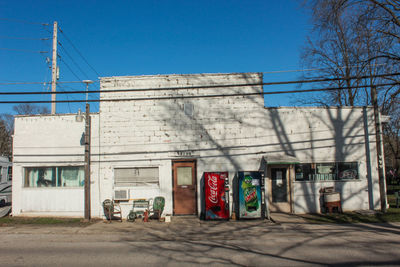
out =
column 194, row 161
column 281, row 206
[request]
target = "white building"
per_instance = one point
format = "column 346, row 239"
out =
column 138, row 145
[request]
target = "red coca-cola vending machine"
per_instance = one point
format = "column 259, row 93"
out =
column 216, row 190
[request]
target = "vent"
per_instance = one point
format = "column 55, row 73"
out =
column 122, row 194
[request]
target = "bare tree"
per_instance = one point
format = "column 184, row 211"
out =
column 29, row 109
column 353, row 38
column 344, row 44
column 5, row 139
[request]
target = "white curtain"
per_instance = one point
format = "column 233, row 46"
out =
column 72, row 177
column 33, row 177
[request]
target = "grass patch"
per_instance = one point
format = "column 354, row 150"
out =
column 392, row 214
column 15, row 221
column 392, row 188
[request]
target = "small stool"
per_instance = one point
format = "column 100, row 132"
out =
column 331, row 205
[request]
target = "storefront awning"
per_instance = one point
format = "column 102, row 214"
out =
column 280, row 159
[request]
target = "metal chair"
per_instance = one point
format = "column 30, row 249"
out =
column 112, row 210
column 157, row 208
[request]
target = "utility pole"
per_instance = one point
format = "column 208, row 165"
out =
column 54, row 69
column 379, row 152
column 87, row 163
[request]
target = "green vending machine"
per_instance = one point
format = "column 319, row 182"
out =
column 251, row 202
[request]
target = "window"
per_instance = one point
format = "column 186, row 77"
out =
column 326, row 171
column 54, row 177
column 303, row 171
column 347, row 170
column 9, row 173
column 184, row 175
column 144, row 176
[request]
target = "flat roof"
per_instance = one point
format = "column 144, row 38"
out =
column 318, row 107
column 180, row 75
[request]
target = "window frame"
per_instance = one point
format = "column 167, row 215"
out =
column 315, row 176
column 9, row 173
column 56, row 170
column 135, row 184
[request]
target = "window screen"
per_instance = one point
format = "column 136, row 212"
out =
column 144, row 176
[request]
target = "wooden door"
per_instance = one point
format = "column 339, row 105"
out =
column 184, row 175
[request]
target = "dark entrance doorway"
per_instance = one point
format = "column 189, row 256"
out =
column 279, row 185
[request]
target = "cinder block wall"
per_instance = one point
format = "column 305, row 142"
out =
column 231, row 133
column 151, row 132
column 221, row 133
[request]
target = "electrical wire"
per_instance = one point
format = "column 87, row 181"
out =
column 24, row 21
column 218, row 86
column 23, row 38
column 69, row 107
column 73, row 61
column 76, row 49
column 24, row 50
column 20, row 83
column 193, row 96
column 69, row 68
column 307, row 70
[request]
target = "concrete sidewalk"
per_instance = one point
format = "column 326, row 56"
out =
column 279, row 218
column 189, row 222
column 178, row 223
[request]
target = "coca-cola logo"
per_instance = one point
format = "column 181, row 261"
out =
column 213, row 186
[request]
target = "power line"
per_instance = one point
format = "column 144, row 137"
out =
column 69, row 107
column 194, row 96
column 23, row 38
column 70, row 69
column 24, row 50
column 24, row 21
column 215, row 86
column 73, row 61
column 306, row 70
column 334, row 79
column 76, row 49
column 20, row 83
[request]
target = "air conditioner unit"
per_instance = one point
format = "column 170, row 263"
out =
column 121, row 194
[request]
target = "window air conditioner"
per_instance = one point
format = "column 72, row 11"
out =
column 122, row 194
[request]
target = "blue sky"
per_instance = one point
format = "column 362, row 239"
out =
column 148, row 37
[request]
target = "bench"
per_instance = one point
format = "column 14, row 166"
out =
column 140, row 208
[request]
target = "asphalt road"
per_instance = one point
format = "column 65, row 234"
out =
column 188, row 243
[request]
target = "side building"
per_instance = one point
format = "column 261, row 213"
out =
column 158, row 135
